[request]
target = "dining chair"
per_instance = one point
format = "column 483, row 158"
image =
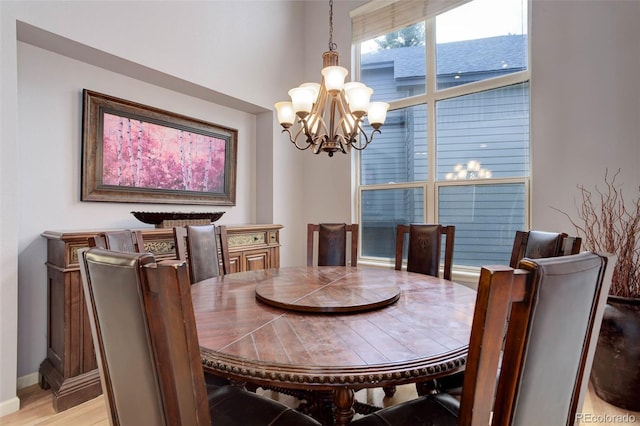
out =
column 144, row 331
column 554, row 309
column 198, row 246
column 424, row 248
column 571, row 245
column 332, row 244
column 539, row 244
column 125, row 240
column 527, row 244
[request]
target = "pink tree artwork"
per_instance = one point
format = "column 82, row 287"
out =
column 141, row 154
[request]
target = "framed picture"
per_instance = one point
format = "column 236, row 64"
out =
column 132, row 153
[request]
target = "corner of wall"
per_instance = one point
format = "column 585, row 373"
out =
column 9, row 406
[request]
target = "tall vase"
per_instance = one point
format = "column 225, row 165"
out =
column 615, row 375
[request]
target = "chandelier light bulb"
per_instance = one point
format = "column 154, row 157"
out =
column 358, row 99
column 484, row 174
column 334, row 78
column 312, row 86
column 302, row 99
column 377, row 113
column 286, row 115
column 473, row 165
column 350, row 85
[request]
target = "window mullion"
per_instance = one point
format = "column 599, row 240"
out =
column 430, row 55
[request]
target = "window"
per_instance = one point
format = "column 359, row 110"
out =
column 455, row 146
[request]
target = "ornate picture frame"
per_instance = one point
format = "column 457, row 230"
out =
column 133, row 153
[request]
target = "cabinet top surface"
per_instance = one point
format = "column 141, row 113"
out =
column 70, row 235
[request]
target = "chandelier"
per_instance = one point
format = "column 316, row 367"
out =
column 473, row 170
column 330, row 114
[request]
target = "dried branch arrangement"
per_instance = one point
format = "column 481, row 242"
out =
column 607, row 224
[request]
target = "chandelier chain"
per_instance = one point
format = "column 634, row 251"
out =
column 332, row 46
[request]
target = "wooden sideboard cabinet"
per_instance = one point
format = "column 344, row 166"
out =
column 70, row 368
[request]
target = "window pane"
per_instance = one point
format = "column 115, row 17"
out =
column 394, row 65
column 489, row 129
column 382, row 211
column 475, row 135
column 399, row 153
column 486, row 218
column 480, row 40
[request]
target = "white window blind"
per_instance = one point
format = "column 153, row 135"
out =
column 382, row 17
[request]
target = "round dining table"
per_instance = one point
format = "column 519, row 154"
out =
column 332, row 329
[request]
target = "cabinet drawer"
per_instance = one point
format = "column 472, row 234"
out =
column 249, row 239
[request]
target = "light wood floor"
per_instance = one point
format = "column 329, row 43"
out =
column 37, row 408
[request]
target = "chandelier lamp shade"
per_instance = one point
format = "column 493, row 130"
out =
column 328, row 117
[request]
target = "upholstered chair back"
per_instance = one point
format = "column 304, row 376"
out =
column 425, row 248
column 202, row 249
column 332, row 244
column 563, row 313
column 120, row 331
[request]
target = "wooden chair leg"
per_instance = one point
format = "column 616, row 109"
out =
column 427, row 388
column 389, row 391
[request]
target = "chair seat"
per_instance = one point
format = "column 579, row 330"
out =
column 443, row 410
column 213, row 381
column 230, row 405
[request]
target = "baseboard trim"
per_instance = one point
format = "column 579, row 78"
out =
column 9, row 406
column 12, row 405
column 28, row 380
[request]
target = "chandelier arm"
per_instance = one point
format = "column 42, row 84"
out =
column 318, row 146
column 332, row 118
column 368, row 140
column 294, row 140
column 322, row 96
column 305, row 127
column 300, row 129
column 312, row 140
column 348, row 128
column 320, row 129
column 318, row 111
column 342, row 143
column 357, row 129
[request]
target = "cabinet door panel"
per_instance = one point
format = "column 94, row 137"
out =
column 235, row 260
column 257, row 259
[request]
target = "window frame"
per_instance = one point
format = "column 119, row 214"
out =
column 430, row 98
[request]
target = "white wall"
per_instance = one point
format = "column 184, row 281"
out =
column 585, row 117
column 8, row 218
column 321, row 184
column 50, row 119
column 176, row 56
column 327, row 181
column 585, row 101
